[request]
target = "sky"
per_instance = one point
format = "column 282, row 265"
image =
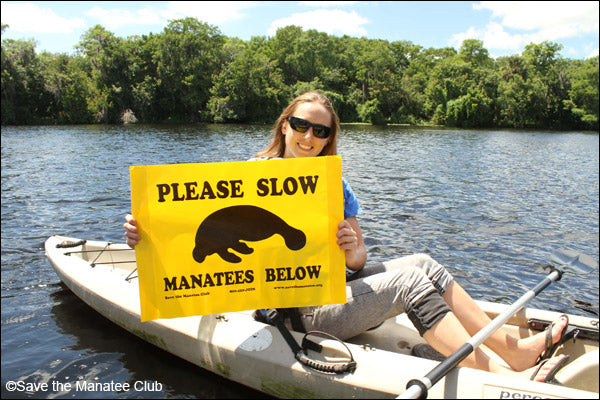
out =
column 504, row 27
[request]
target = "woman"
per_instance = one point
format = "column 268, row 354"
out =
column 443, row 313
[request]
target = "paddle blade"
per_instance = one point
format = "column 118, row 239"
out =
column 572, row 261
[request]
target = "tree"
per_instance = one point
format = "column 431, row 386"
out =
column 144, row 80
column 473, row 52
column 188, row 55
column 24, row 99
column 250, row 88
column 108, row 70
column 547, row 70
column 69, row 87
column 583, row 92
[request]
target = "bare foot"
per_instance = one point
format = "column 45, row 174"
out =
column 532, row 347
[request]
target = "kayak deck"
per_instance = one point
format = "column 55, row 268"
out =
column 237, row 347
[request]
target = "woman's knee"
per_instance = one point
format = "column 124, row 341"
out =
column 439, row 276
column 411, row 284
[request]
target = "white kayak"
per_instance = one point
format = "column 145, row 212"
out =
column 239, row 348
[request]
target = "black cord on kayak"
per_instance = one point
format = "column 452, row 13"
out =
column 274, row 317
column 335, row 367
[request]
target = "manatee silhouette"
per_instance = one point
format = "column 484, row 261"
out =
column 224, row 229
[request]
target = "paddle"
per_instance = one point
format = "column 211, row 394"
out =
column 417, row 388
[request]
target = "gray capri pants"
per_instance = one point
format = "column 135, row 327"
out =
column 412, row 284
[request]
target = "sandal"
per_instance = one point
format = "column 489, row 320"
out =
column 552, row 373
column 567, row 333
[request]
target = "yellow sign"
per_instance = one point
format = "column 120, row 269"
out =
column 221, row 237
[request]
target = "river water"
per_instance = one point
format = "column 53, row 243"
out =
column 491, row 205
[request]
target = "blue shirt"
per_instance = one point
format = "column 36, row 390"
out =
column 351, row 206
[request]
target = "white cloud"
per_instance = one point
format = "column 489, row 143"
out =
column 327, row 3
column 568, row 17
column 116, row 18
column 493, row 36
column 591, row 51
column 328, row 21
column 28, row 17
column 212, row 12
column 518, row 23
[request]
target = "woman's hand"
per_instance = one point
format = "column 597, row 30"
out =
column 349, row 238
column 131, row 231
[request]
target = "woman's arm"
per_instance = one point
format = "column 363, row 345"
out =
column 351, row 241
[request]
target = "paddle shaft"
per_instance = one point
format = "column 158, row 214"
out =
column 418, row 387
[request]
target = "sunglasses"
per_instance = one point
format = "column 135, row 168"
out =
column 302, row 125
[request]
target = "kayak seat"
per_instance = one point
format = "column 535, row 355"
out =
column 581, row 373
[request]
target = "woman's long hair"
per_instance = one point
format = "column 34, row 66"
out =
column 277, row 146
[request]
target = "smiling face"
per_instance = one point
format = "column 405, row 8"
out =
column 306, row 144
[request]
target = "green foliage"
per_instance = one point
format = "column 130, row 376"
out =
column 24, row 99
column 249, row 88
column 473, row 109
column 190, row 72
column 583, row 91
column 189, row 54
column 370, row 112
